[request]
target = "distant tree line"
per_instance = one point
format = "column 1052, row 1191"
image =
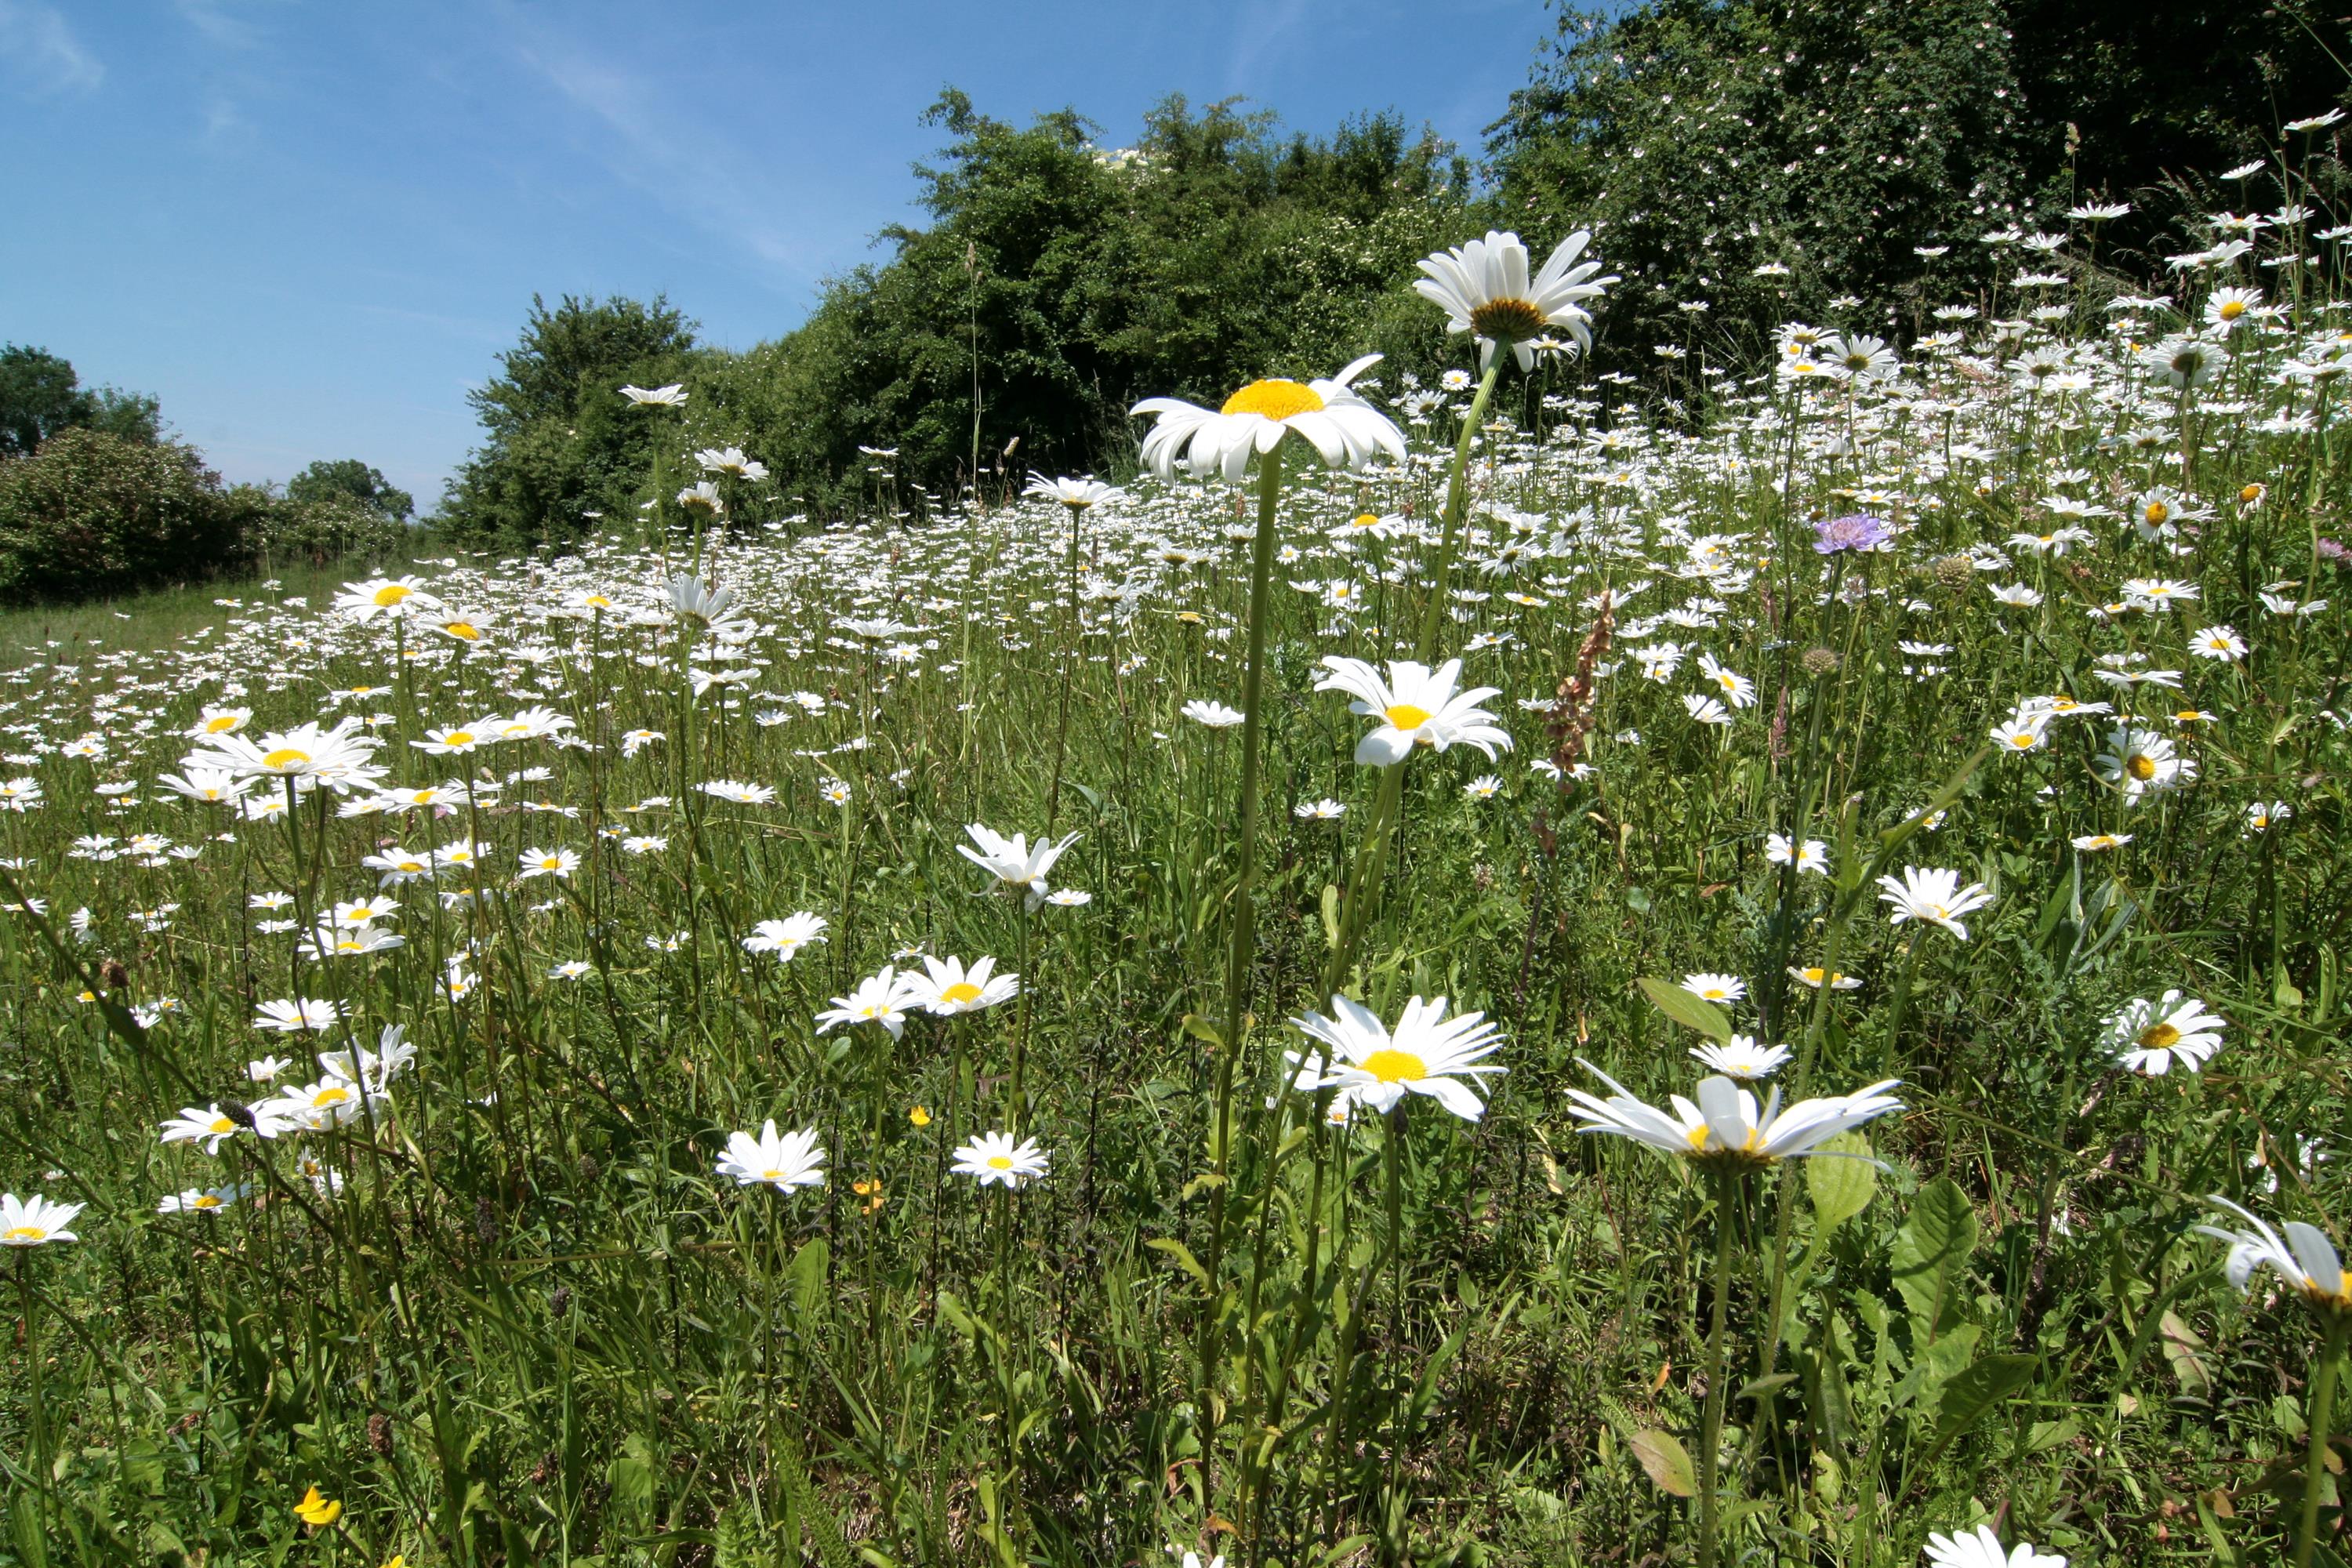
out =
column 95, row 499
column 1743, row 162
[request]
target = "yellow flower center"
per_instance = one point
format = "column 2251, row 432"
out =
column 23, row 1233
column 1366, row 519
column 460, row 738
column 2233, row 308
column 222, row 1124
column 2251, row 494
column 2142, row 768
column 2158, row 511
column 327, row 1097
column 771, row 1176
column 1507, row 320
column 286, row 757
column 2159, row 1036
column 1393, row 1066
column 465, row 629
column 1000, row 1162
column 1405, row 716
column 206, row 1201
column 961, row 990
column 2024, row 740
column 1274, row 399
column 391, row 593
column 221, row 724
column 597, row 602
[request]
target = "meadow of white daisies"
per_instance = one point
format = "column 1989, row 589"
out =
column 1411, row 987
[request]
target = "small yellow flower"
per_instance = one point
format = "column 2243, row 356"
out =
column 921, row 1116
column 317, row 1511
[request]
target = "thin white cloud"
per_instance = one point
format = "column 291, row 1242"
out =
column 39, row 47
column 694, row 170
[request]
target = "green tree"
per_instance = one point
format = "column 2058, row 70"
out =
column 349, row 479
column 40, row 395
column 559, row 443
column 96, row 512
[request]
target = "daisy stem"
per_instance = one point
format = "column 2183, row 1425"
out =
column 1902, row 1002
column 2323, row 1413
column 1457, row 503
column 35, row 1422
column 1244, row 922
column 1710, row 1431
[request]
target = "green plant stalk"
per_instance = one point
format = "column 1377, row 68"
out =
column 36, row 1414
column 2323, row 1413
column 1457, row 503
column 1243, row 926
column 1711, row 1430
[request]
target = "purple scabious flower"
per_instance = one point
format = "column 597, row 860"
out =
column 1857, row 531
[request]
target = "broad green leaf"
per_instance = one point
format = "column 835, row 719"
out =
column 810, row 1267
column 1931, row 1257
column 1841, row 1181
column 1666, row 1462
column 1975, row 1392
column 1691, row 1012
column 2186, row 1352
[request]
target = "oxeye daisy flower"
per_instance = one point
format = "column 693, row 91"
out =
column 1016, row 865
column 738, row 792
column 771, row 1160
column 1983, row 1550
column 2148, row 1036
column 947, row 988
column 786, row 937
column 200, row 1200
column 1076, row 494
column 2022, row 733
column 394, row 597
column 1816, row 976
column 1934, row 895
column 2097, row 841
column 881, row 998
column 1743, row 1058
column 211, row 1126
column 995, row 1160
column 1812, row 854
column 336, row 758
column 1484, row 289
column 1324, row 810
column 2142, row 763
column 1735, row 688
column 1723, row 1130
column 1215, row 715
column 35, row 1221
column 1415, row 706
column 2304, row 1258
column 1428, row 1052
column 1345, row 430
column 1709, row 987
column 294, row 1016
column 671, row 396
column 557, row 862
column 2219, row 642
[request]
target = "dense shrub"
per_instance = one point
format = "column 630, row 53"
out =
column 93, row 512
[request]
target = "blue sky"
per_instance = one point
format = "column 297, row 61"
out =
column 309, row 227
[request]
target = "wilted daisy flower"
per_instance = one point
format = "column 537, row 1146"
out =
column 1933, row 895
column 782, row 1162
column 1345, row 430
column 1723, row 1130
column 2147, row 1037
column 1428, row 1054
column 996, row 1161
column 786, row 937
column 1415, row 706
column 1484, row 289
column 1742, row 1057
